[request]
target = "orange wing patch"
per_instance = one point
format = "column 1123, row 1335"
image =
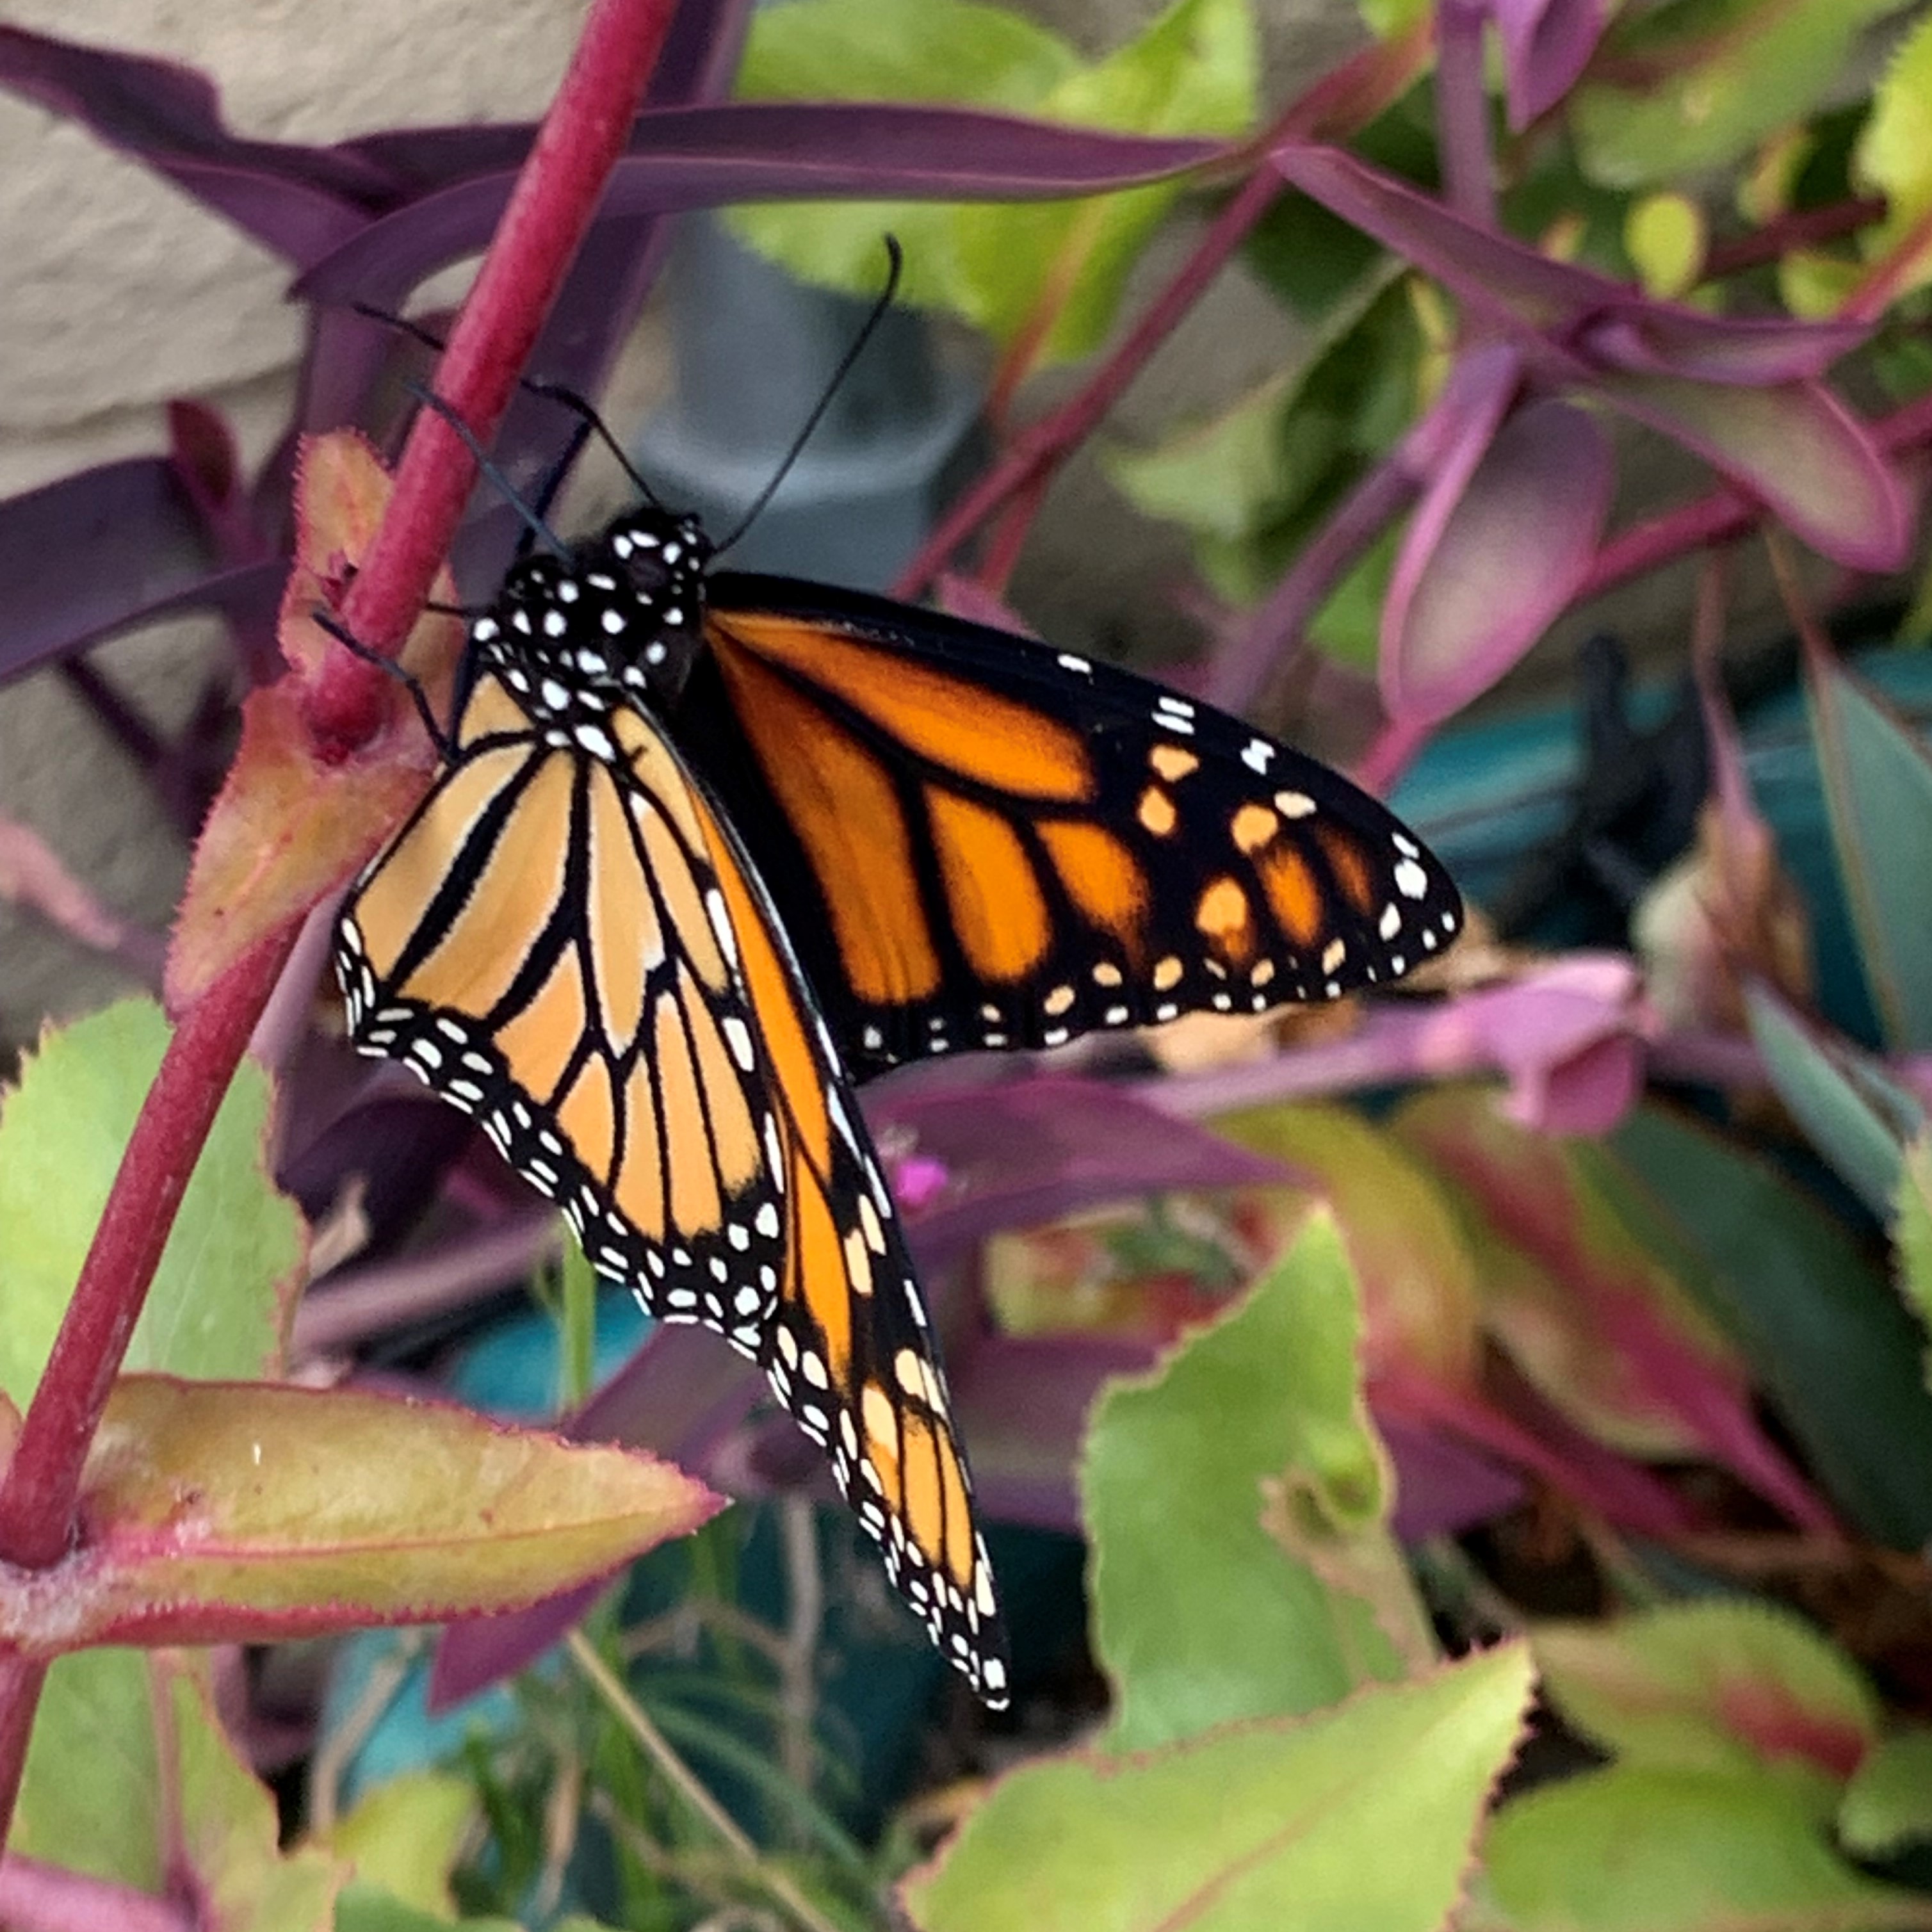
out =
column 955, row 724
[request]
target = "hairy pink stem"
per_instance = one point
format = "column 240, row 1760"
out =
column 550, row 210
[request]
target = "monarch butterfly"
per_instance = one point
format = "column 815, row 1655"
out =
column 706, row 847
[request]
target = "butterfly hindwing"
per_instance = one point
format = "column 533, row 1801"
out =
column 979, row 841
column 849, row 1351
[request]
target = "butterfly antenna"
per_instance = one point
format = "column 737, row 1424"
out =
column 535, row 523
column 867, row 330
column 589, row 423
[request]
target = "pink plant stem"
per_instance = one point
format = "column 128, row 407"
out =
column 42, row 1482
column 1353, row 93
column 1463, row 111
column 551, row 208
column 21, row 1679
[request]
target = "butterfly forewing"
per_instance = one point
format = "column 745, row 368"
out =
column 568, row 985
column 978, row 841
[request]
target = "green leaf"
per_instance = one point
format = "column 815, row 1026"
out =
column 1709, row 79
column 1729, row 1686
column 364, row 1907
column 221, row 1299
column 1795, row 1291
column 1417, row 1276
column 1284, row 1822
column 230, row 1832
column 129, row 1778
column 1191, row 71
column 404, row 1836
column 1650, row 1849
column 1912, row 1233
column 1855, row 1115
column 90, row 1795
column 1888, row 1803
column 1666, row 237
column 944, row 51
column 1878, row 790
column 1238, row 1500
column 1894, row 158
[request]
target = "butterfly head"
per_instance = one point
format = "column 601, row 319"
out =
column 623, row 615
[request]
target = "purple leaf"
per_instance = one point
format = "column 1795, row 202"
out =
column 1745, row 395
column 108, row 549
column 1546, row 45
column 770, row 150
column 298, row 201
column 1033, row 1150
column 1793, row 445
column 1443, row 1486
column 1582, row 321
column 1495, row 552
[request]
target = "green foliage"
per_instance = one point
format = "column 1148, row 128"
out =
column 1278, row 1822
column 1795, row 1289
column 1708, row 79
column 1237, row 1500
column 1894, row 155
column 1878, row 787
column 1061, row 267
column 1888, row 1804
column 1732, row 1686
column 221, row 1299
column 130, row 1778
column 1911, row 1233
column 1689, row 1851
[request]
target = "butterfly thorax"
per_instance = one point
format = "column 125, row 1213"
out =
column 620, row 618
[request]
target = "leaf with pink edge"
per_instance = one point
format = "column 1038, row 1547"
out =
column 1598, row 1320
column 1419, row 1295
column 1717, row 1686
column 227, row 1512
column 1648, row 1848
column 1273, row 1823
column 1237, row 1499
